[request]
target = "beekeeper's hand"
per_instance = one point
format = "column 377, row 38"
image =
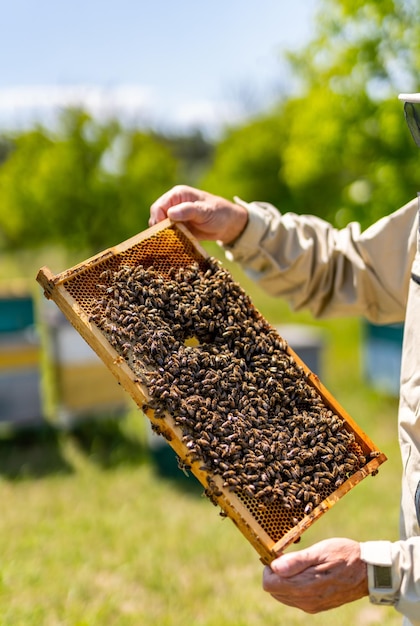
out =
column 324, row 576
column 206, row 216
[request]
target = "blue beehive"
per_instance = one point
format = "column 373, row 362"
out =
column 382, row 350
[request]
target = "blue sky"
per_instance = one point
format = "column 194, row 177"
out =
column 170, row 64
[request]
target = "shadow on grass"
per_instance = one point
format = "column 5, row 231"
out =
column 38, row 452
column 32, row 453
column 107, row 445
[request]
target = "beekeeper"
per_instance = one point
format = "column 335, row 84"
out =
column 375, row 274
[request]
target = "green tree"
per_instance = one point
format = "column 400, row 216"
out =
column 362, row 55
column 337, row 146
column 85, row 187
column 363, row 46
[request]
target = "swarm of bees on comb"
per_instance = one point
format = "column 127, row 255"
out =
column 245, row 407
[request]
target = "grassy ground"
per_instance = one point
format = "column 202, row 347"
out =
column 95, row 530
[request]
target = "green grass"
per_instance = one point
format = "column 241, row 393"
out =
column 95, row 530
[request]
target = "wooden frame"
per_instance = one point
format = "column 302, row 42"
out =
column 240, row 510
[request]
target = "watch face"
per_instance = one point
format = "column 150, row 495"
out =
column 383, row 577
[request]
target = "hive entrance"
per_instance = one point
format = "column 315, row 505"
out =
column 234, row 401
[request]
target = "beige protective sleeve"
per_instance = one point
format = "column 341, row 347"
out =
column 331, row 272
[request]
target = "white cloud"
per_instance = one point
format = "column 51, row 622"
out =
column 22, row 106
column 25, row 104
column 208, row 115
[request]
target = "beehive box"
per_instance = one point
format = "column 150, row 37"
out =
column 271, row 446
column 20, row 359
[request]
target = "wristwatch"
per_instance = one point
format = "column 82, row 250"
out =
column 383, row 579
column 381, row 590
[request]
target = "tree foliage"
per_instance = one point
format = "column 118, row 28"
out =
column 338, row 147
column 87, row 186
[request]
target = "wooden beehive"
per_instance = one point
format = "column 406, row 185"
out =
column 271, row 446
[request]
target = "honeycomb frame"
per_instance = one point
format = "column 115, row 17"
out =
column 270, row 528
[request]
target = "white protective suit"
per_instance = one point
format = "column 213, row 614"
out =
column 375, row 274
